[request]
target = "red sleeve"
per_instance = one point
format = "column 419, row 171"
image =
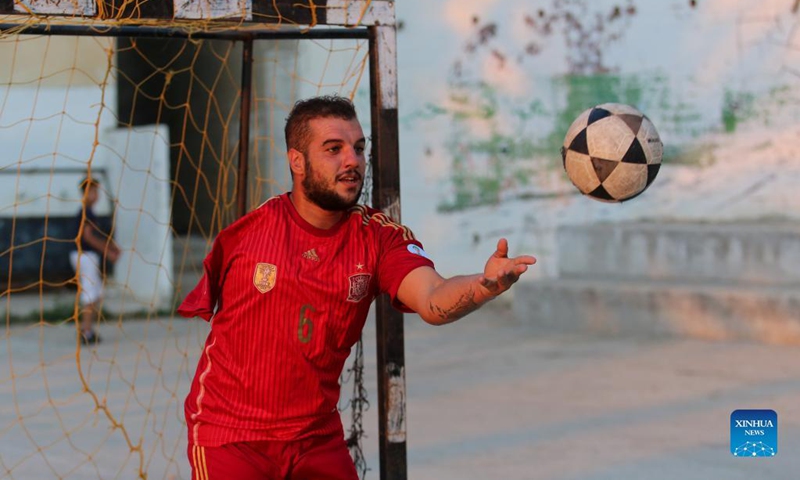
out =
column 400, row 254
column 202, row 301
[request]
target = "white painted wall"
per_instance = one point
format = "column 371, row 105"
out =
column 684, row 65
column 47, row 136
column 682, row 61
column 138, row 164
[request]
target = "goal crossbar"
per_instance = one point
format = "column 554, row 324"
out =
column 308, row 13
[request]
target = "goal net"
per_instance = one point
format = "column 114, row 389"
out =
column 148, row 100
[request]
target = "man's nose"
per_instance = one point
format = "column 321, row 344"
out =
column 351, row 158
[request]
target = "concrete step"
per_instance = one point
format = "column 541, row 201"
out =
column 759, row 253
column 188, row 254
column 190, row 250
column 765, row 313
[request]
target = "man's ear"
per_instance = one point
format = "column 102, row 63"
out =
column 297, row 162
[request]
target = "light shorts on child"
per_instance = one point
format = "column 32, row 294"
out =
column 91, row 280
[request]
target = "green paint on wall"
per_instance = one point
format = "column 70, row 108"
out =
column 498, row 143
column 736, row 108
column 521, row 139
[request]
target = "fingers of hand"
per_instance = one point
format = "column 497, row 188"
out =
column 502, row 248
column 506, row 279
column 507, row 276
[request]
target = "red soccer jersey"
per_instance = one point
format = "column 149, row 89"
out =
column 288, row 302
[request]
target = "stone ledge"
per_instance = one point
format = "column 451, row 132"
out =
column 753, row 253
column 769, row 314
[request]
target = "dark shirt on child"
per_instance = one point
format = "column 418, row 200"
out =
column 91, row 219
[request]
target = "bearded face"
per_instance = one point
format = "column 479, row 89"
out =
column 334, row 163
column 323, row 191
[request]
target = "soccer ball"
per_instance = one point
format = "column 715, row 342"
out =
column 612, row 152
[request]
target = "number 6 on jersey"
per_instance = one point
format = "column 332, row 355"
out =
column 306, row 326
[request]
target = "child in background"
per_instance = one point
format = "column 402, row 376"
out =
column 92, row 246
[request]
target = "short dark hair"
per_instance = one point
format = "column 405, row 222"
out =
column 88, row 182
column 297, row 131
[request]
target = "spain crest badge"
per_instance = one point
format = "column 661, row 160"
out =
column 264, row 277
column 359, row 287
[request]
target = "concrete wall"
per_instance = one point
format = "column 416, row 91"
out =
column 488, row 89
column 487, row 92
column 720, row 282
column 745, row 253
column 47, row 153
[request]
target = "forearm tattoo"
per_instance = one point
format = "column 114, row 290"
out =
column 464, row 305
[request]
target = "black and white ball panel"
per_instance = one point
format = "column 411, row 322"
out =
column 577, row 127
column 625, row 179
column 609, row 138
column 581, row 171
column 650, row 140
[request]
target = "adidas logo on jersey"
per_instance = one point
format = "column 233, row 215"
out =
column 311, row 255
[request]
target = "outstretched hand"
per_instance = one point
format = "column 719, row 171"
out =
column 501, row 272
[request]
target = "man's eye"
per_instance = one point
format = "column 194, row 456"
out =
column 359, row 150
column 335, row 149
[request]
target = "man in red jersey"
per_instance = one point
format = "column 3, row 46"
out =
column 288, row 288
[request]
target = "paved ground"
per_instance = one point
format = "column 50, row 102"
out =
column 488, row 398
